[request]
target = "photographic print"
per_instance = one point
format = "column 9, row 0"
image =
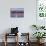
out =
column 17, row 12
